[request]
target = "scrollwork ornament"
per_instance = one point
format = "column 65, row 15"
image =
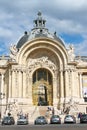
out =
column 41, row 62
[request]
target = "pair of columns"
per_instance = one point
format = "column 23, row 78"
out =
column 66, row 83
column 71, row 84
column 18, row 84
column 65, row 87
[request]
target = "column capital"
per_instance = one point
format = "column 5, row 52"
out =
column 61, row 70
column 80, row 73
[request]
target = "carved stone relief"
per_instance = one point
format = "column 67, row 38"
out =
column 41, row 62
column 71, row 55
column 13, row 52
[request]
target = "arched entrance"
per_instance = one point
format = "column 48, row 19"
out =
column 42, row 89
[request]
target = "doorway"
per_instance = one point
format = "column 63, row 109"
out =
column 42, row 96
column 42, row 89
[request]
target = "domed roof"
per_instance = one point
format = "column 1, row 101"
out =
column 39, row 30
column 22, row 40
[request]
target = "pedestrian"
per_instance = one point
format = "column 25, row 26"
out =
column 79, row 115
column 53, row 111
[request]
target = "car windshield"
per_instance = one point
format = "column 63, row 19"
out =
column 22, row 117
column 85, row 115
column 55, row 116
column 68, row 116
column 41, row 117
column 7, row 118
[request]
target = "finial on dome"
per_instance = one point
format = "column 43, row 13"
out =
column 39, row 13
column 39, row 22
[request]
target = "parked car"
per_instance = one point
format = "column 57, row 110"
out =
column 8, row 120
column 70, row 119
column 22, row 120
column 55, row 119
column 83, row 118
column 40, row 120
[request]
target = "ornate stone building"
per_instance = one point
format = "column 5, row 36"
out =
column 41, row 71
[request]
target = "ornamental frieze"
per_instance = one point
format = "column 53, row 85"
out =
column 41, row 62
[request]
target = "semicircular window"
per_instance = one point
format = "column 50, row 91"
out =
column 42, row 74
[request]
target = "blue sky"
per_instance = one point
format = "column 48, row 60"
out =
column 67, row 17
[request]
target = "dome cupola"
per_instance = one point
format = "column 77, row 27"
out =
column 39, row 30
column 39, row 22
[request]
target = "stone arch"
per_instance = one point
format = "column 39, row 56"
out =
column 53, row 71
column 52, row 45
column 60, row 59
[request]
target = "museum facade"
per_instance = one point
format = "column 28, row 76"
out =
column 41, row 71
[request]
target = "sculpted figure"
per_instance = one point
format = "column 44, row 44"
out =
column 71, row 54
column 13, row 51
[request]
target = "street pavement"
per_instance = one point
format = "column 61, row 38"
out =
column 46, row 127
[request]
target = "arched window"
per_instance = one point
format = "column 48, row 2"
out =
column 42, row 74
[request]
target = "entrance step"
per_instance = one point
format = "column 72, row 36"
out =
column 39, row 111
column 35, row 113
column 42, row 110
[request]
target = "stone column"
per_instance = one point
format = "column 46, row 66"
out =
column 10, row 84
column 24, row 84
column 2, row 83
column 61, row 84
column 13, row 83
column 80, row 82
column 72, row 83
column 55, row 92
column 30, row 90
column 20, row 84
column 16, row 83
column 73, row 92
column 3, row 97
column 30, row 87
column 61, row 101
column 66, row 84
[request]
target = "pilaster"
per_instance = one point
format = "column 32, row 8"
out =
column 30, row 90
column 61, row 84
column 80, row 84
column 13, row 83
column 10, row 83
column 55, row 92
column 66, row 83
column 24, row 84
column 20, row 84
column 2, row 83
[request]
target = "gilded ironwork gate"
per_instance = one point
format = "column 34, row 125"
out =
column 42, row 89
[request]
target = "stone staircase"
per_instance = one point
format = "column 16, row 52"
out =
column 34, row 113
column 42, row 110
column 38, row 111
